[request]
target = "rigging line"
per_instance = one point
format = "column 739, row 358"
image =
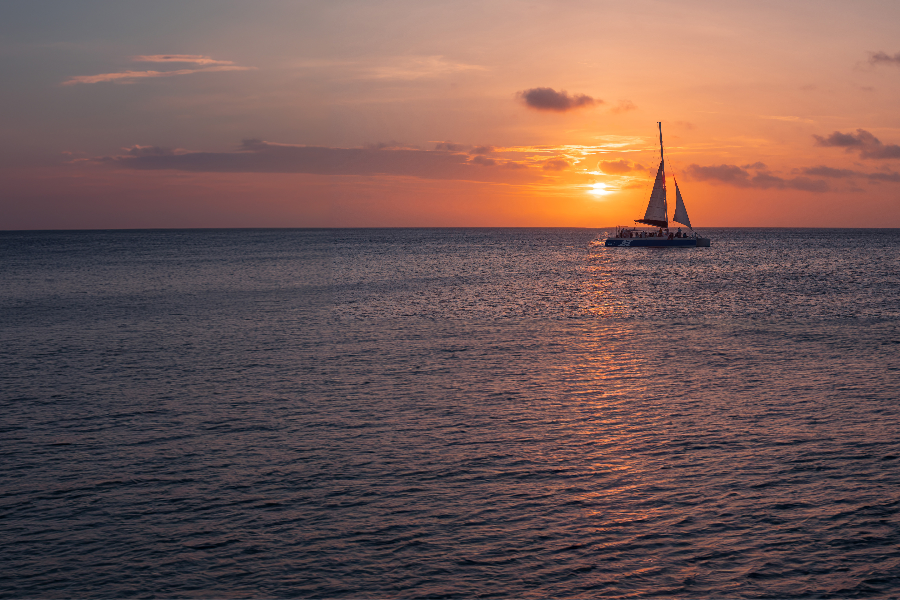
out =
column 675, row 169
column 640, row 202
column 662, row 158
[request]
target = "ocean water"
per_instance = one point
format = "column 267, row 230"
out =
column 449, row 413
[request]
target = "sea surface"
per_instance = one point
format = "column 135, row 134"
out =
column 449, row 413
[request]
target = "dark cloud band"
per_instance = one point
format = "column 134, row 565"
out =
column 883, row 58
column 823, row 171
column 764, row 180
column 867, row 144
column 544, row 98
column 256, row 156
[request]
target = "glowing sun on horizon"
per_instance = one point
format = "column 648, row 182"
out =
column 598, row 189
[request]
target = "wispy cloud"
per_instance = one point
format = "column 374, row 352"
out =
column 624, row 106
column 514, row 165
column 451, row 147
column 480, row 159
column 823, row 171
column 883, row 58
column 556, row 164
column 618, row 167
column 544, row 98
column 739, row 177
column 206, row 65
column 390, row 68
column 257, row 156
column 789, row 118
column 196, row 59
column 862, row 141
column 419, row 67
column 137, row 150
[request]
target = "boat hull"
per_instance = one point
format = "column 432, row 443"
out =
column 658, row 242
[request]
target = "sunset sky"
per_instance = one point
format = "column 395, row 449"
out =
column 491, row 113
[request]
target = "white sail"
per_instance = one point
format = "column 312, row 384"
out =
column 656, row 208
column 681, row 215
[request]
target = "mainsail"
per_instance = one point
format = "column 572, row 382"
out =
column 657, row 211
column 656, row 214
column 681, row 215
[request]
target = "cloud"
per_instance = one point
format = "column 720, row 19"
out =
column 823, row 171
column 868, row 145
column 738, row 177
column 196, row 59
column 207, row 65
column 148, row 151
column 449, row 147
column 483, row 160
column 410, row 68
column 388, row 68
column 618, row 167
column 624, row 106
column 843, row 140
column 258, row 156
column 634, row 185
column 788, row 118
column 391, row 145
column 891, row 177
column 723, row 173
column 882, row 58
column 544, row 98
column 556, row 164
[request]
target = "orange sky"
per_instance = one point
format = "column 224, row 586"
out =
column 319, row 114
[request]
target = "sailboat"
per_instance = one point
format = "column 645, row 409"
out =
column 657, row 215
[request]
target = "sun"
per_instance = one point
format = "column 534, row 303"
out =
column 598, row 189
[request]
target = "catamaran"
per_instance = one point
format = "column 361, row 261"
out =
column 657, row 215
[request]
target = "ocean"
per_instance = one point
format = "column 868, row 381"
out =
column 449, row 413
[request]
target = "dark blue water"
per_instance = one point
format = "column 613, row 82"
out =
column 449, row 413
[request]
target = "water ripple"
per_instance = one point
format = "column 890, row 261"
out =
column 448, row 413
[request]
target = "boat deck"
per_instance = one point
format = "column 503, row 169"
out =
column 651, row 242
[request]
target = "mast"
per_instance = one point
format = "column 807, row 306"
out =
column 657, row 209
column 661, row 157
column 662, row 162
